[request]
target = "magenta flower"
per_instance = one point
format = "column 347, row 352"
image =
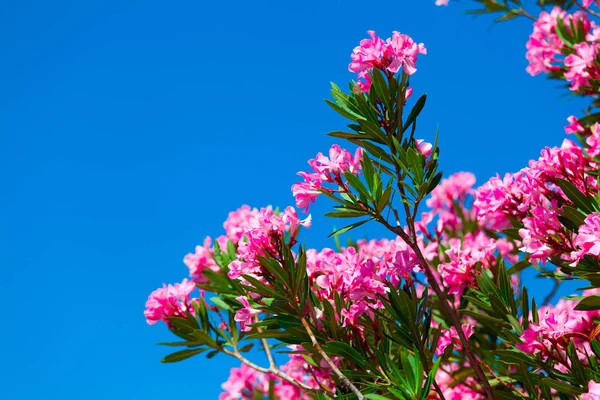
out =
column 451, row 337
column 579, row 64
column 593, row 392
column 325, row 170
column 242, row 383
column 574, row 125
column 593, row 141
column 201, row 260
column 586, row 4
column 169, row 301
column 245, row 316
column 396, row 53
column 588, row 238
column 544, row 45
column 424, row 147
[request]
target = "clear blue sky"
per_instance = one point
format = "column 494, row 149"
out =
column 129, row 129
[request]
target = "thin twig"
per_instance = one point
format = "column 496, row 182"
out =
column 552, row 293
column 345, row 381
column 594, row 13
column 267, row 348
column 277, row 372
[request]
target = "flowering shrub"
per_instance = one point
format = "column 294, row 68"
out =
column 438, row 310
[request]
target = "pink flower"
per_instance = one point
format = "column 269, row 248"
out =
column 451, row 337
column 441, row 2
column 245, row 316
column 579, row 63
column 574, row 125
column 169, row 301
column 242, row 383
column 586, row 4
column 397, row 52
column 403, row 51
column 239, row 221
column 201, row 260
column 544, row 44
column 368, row 54
column 424, row 147
column 325, row 170
column 593, row 141
column 588, row 238
column 305, row 193
column 593, row 391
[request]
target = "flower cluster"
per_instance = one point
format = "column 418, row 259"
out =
column 532, row 197
column 359, row 275
column 326, row 170
column 587, row 239
column 547, row 52
column 558, row 326
column 263, row 237
column 396, row 53
column 169, row 301
column 450, row 337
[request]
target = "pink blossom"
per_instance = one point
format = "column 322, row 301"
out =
column 593, row 392
column 451, row 337
column 201, row 260
column 403, row 51
column 397, row 52
column 544, row 45
column 245, row 316
column 454, row 388
column 593, row 141
column 305, row 193
column 242, row 382
column 239, row 221
column 424, row 147
column 587, row 240
column 574, row 125
column 441, row 2
column 579, row 63
column 454, row 189
column 554, row 323
column 369, row 54
column 329, row 169
column 169, row 301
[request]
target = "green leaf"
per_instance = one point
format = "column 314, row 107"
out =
column 182, row 355
column 414, row 113
column 573, row 194
column 518, row 267
column 246, row 348
column 261, row 288
column 381, row 88
column 348, row 353
column 344, row 112
column 562, row 387
column 219, row 302
column 562, row 32
column 574, row 215
column 179, row 344
column 514, row 357
column 434, row 182
column 355, row 183
column 372, row 396
column 349, row 227
column 589, row 303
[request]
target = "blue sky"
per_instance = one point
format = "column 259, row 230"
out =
column 129, row 129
